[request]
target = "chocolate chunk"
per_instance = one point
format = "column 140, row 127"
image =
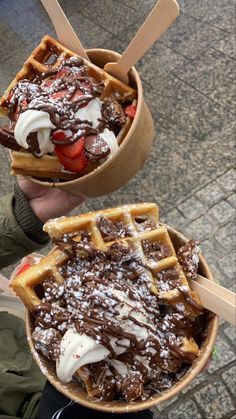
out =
column 8, row 140
column 132, row 386
column 113, row 112
column 108, row 389
column 188, row 256
column 95, row 147
column 47, row 342
column 73, row 61
column 111, row 230
column 167, row 279
column 155, row 251
column 144, row 222
column 107, row 228
column 119, row 252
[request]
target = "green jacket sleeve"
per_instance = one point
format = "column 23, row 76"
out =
column 14, row 243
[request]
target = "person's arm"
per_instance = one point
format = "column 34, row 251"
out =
column 22, row 215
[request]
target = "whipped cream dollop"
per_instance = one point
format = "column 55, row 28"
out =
column 77, row 350
column 34, row 121
column 93, row 113
column 39, row 121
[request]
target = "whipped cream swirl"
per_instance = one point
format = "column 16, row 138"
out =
column 34, row 121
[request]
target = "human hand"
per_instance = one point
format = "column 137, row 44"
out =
column 46, row 202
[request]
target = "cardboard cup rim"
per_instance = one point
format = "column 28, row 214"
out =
column 121, row 407
column 80, row 180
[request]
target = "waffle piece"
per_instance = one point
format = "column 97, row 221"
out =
column 40, row 62
column 133, row 233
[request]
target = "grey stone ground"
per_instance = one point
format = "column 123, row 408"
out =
column 189, row 83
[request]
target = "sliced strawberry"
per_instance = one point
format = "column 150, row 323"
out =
column 72, row 150
column 48, row 83
column 16, row 113
column 24, row 268
column 59, row 95
column 77, row 94
column 130, row 110
column 9, row 96
column 61, row 135
column 24, row 104
column 61, row 73
column 75, row 165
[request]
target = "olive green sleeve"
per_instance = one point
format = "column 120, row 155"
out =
column 14, row 242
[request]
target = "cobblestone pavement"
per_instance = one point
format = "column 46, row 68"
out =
column 189, row 84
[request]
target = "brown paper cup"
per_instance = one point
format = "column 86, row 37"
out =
column 75, row 392
column 132, row 153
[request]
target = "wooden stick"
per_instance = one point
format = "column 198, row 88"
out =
column 216, row 298
column 65, row 33
column 157, row 22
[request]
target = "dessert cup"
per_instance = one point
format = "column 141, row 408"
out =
column 76, row 393
column 120, row 168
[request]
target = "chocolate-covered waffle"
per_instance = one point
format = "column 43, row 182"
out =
column 67, row 116
column 112, row 305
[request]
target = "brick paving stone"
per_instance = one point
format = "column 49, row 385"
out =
column 228, row 180
column 225, row 354
column 222, row 212
column 117, row 17
column 230, row 333
column 161, row 58
column 229, row 377
column 156, row 413
column 218, row 70
column 193, row 36
column 232, row 200
column 214, row 400
column 227, row 265
column 174, row 218
column 191, row 208
column 225, row 235
column 143, row 6
column 201, row 228
column 219, row 13
column 226, row 45
column 197, row 380
column 211, row 251
column 210, row 194
column 185, row 410
column 166, row 404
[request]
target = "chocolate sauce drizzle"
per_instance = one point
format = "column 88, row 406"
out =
column 90, row 301
column 55, row 92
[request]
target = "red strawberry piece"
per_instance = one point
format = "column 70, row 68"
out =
column 16, row 113
column 48, row 83
column 24, row 268
column 77, row 94
column 87, row 84
column 72, row 150
column 75, row 165
column 24, row 103
column 130, row 110
column 9, row 96
column 61, row 73
column 59, row 95
column 61, row 135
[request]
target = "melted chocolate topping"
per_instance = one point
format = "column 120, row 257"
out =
column 7, row 139
column 61, row 92
column 91, row 300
